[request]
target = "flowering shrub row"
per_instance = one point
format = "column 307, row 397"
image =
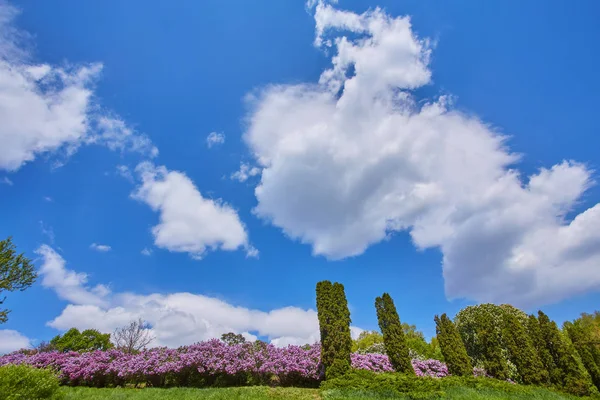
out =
column 210, row 363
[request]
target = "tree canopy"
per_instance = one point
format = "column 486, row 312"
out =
column 17, row 273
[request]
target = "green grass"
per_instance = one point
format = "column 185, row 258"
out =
column 242, row 393
column 266, row 393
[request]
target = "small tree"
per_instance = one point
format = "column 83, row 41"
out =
column 73, row 340
column 522, row 352
column 393, row 334
column 231, row 339
column 133, row 337
column 16, row 273
column 452, row 347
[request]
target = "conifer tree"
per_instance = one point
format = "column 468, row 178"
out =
column 587, row 350
column 539, row 343
column 393, row 334
column 522, row 352
column 494, row 362
column 334, row 326
column 452, row 347
column 573, row 377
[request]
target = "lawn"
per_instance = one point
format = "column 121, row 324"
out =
column 264, row 393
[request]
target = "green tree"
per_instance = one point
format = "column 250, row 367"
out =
column 574, row 378
column 334, row 326
column 522, row 352
column 16, row 273
column 452, row 347
column 88, row 340
column 368, row 342
column 232, row 339
column 393, row 334
column 586, row 347
column 533, row 328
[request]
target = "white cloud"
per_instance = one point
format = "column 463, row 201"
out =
column 103, row 248
column 46, row 108
column 246, row 171
column 116, row 135
column 189, row 222
column 125, row 172
column 69, row 285
column 48, row 199
column 215, row 138
column 11, row 340
column 351, row 160
column 176, row 319
column 6, row 181
column 47, row 231
column 146, row 251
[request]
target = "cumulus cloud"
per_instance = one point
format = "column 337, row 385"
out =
column 175, row 319
column 6, row 181
column 189, row 222
column 11, row 340
column 350, row 160
column 146, row 251
column 103, row 248
column 215, row 138
column 67, row 284
column 46, row 108
column 246, row 171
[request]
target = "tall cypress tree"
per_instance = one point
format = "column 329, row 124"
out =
column 587, row 350
column 522, row 352
column 452, row 347
column 533, row 327
column 341, row 338
column 325, row 315
column 334, row 326
column 573, row 377
column 491, row 343
column 393, row 335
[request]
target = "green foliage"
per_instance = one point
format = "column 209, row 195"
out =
column 468, row 322
column 393, row 334
column 574, row 378
column 366, row 341
column 490, row 339
column 533, row 327
column 16, row 273
column 370, row 385
column 522, row 352
column 27, row 383
column 88, row 340
column 588, row 351
column 232, row 339
column 334, row 326
column 452, row 347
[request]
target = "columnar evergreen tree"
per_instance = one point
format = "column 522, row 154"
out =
column 452, row 346
column 491, row 344
column 522, row 352
column 533, row 327
column 334, row 326
column 573, row 376
column 586, row 348
column 393, row 334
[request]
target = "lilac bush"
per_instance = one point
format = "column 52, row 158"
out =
column 210, row 363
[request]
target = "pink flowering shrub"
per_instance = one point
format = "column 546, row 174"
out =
column 210, row 363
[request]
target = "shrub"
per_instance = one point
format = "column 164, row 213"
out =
column 27, row 383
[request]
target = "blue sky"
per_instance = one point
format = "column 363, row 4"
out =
column 353, row 147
